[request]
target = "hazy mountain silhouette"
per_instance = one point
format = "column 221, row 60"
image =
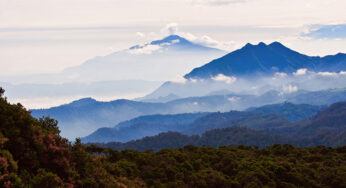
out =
column 265, row 59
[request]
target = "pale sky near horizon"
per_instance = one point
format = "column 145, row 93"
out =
column 46, row 36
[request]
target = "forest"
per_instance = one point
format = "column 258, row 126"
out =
column 33, row 154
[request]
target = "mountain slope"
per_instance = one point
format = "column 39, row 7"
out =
column 190, row 124
column 142, row 126
column 327, row 128
column 290, row 111
column 214, row 138
column 146, row 62
column 265, row 59
column 331, row 121
column 81, row 118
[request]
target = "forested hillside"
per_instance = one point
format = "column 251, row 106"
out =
column 32, row 154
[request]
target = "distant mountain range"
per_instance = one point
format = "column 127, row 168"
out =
column 129, row 73
column 158, row 60
column 255, row 118
column 80, row 118
column 221, row 85
column 262, row 59
column 325, row 128
column 257, row 69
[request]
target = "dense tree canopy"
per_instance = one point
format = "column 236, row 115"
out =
column 32, row 154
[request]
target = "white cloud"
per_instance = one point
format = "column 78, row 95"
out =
column 175, row 41
column 146, row 49
column 289, row 89
column 140, row 34
column 217, row 2
column 150, row 48
column 280, row 74
column 209, row 41
column 342, row 73
column 327, row 73
column 223, row 78
column 300, row 72
column 233, row 99
column 179, row 79
column 171, row 29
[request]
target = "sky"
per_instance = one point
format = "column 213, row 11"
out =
column 46, row 36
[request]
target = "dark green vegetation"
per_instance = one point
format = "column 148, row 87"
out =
column 214, row 138
column 32, row 154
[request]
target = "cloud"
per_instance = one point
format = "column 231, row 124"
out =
column 217, row 2
column 140, row 34
column 327, row 74
column 289, row 89
column 233, row 99
column 175, row 41
column 146, row 49
column 171, row 29
column 223, row 78
column 300, row 72
column 336, row 31
column 280, row 74
column 209, row 41
column 179, row 79
column 150, row 48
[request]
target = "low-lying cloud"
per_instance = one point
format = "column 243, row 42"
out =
column 223, row 78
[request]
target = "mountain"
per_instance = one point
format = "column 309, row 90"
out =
column 81, row 118
column 330, row 121
column 290, row 111
column 33, row 154
column 234, row 118
column 148, row 61
column 84, row 116
column 130, row 73
column 142, row 126
column 264, row 59
column 262, row 118
column 258, row 69
column 190, row 124
column 214, row 138
column 327, row 128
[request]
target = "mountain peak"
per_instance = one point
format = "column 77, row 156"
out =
column 260, row 59
column 276, row 44
column 171, row 39
column 83, row 101
column 249, row 45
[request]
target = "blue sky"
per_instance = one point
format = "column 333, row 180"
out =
column 337, row 31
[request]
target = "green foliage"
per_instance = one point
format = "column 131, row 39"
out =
column 46, row 179
column 32, row 154
column 50, row 125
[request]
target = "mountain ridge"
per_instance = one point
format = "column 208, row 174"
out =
column 263, row 59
